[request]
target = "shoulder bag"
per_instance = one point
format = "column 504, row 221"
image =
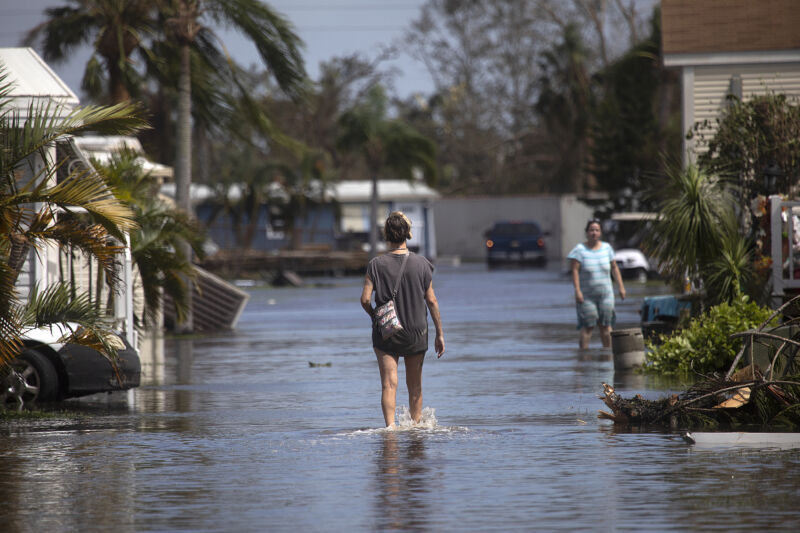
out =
column 386, row 315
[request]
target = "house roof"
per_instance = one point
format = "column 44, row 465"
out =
column 719, row 26
column 354, row 191
column 33, row 82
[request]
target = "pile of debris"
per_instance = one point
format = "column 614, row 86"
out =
column 747, row 398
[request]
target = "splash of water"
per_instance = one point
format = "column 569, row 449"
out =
column 404, row 422
column 427, row 419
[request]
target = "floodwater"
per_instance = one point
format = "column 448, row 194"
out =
column 237, row 432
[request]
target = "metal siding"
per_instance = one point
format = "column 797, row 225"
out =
column 711, row 85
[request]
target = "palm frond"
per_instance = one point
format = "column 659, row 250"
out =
column 88, row 190
column 730, row 271
column 695, row 213
column 58, row 305
column 65, row 28
column 10, row 344
column 273, row 36
column 47, row 124
column 24, row 227
column 92, row 239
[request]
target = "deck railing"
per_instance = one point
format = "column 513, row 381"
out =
column 783, row 243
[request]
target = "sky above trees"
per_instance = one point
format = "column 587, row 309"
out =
column 329, row 28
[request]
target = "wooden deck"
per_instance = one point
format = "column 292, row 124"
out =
column 253, row 263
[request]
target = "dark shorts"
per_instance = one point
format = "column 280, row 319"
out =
column 402, row 343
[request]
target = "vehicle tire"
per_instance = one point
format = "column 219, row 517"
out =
column 640, row 275
column 39, row 376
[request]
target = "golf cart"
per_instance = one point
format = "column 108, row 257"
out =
column 625, row 232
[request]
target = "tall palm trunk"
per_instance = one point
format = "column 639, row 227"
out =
column 183, row 164
column 116, row 86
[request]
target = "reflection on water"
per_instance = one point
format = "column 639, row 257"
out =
column 402, row 482
column 236, row 432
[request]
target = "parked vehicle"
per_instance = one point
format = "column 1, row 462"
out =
column 47, row 370
column 633, row 264
column 515, row 242
column 626, row 232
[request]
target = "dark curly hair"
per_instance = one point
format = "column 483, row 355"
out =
column 397, row 227
column 593, row 221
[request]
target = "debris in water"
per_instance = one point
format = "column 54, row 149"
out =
column 747, row 397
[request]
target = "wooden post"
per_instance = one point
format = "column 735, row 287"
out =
column 776, row 240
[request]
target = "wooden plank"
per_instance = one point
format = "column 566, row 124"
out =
column 743, row 438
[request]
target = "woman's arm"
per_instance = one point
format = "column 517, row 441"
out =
column 433, row 306
column 618, row 277
column 366, row 297
column 575, row 267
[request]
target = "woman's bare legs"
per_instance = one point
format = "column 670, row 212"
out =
column 388, row 367
column 414, row 384
column 605, row 335
column 586, row 336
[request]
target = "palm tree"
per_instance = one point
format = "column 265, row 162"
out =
column 155, row 249
column 384, row 143
column 30, row 198
column 186, row 23
column 191, row 44
column 117, row 29
column 696, row 234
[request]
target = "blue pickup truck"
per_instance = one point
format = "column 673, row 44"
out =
column 515, row 242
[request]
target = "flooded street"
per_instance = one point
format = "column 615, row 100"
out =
column 238, row 432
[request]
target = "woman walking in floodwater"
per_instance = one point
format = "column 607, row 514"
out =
column 592, row 265
column 413, row 299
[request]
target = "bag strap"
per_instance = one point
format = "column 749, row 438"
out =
column 400, row 276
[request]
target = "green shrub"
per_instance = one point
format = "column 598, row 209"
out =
column 704, row 345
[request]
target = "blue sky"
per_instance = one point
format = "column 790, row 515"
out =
column 328, row 27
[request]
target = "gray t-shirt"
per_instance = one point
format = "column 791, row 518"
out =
column 410, row 299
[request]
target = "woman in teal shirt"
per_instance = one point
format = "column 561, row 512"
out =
column 592, row 265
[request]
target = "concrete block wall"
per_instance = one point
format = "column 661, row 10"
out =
column 462, row 222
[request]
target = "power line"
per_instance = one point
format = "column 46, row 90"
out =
column 26, row 11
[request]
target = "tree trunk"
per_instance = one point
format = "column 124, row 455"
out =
column 117, row 91
column 183, row 166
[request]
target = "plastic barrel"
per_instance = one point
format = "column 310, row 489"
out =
column 628, row 347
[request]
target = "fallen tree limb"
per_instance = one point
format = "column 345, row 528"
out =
column 707, row 405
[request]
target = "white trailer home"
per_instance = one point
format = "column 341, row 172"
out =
column 414, row 198
column 52, row 370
